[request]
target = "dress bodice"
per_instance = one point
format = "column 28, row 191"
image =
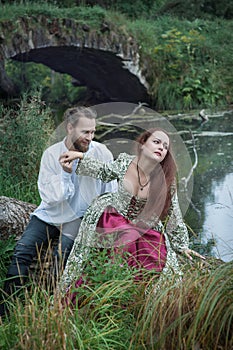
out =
column 135, row 207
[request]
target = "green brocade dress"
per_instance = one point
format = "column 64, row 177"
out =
column 175, row 232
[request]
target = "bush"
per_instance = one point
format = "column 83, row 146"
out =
column 185, row 62
column 25, row 130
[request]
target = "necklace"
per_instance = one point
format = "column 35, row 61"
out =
column 139, row 180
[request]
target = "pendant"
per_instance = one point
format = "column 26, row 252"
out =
column 141, row 188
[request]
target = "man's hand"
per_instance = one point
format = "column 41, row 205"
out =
column 66, row 166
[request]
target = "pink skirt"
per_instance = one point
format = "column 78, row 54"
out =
column 146, row 247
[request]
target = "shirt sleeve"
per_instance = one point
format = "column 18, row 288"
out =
column 176, row 228
column 100, row 170
column 54, row 184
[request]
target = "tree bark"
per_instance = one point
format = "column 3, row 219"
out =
column 14, row 216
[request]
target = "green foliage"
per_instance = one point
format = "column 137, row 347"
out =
column 148, row 8
column 183, row 62
column 180, row 60
column 104, row 266
column 93, row 16
column 132, row 9
column 25, row 131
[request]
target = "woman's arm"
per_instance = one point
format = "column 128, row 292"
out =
column 69, row 156
column 93, row 167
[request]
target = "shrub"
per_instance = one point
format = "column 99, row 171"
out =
column 24, row 132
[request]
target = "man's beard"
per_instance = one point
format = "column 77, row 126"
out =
column 80, row 146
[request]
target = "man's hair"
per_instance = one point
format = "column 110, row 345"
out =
column 72, row 115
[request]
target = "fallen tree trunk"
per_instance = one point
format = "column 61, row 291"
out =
column 14, row 216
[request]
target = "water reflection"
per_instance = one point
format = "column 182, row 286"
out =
column 218, row 222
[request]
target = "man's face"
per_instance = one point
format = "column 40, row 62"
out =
column 81, row 135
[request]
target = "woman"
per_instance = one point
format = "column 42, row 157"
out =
column 133, row 219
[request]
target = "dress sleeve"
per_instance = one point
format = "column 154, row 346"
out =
column 176, row 228
column 104, row 171
column 74, row 265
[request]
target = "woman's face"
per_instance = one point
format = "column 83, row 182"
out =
column 156, row 146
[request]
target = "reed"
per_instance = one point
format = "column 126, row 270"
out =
column 193, row 314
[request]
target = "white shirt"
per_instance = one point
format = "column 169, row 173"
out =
column 66, row 196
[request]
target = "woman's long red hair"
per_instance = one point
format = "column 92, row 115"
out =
column 161, row 180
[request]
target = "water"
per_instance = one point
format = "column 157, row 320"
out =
column 211, row 216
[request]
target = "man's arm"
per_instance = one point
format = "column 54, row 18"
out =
column 55, row 185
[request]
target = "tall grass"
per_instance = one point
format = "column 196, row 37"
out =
column 120, row 313
column 194, row 314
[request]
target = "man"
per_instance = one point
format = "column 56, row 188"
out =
column 65, row 196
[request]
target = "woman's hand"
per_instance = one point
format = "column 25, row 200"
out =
column 190, row 252
column 66, row 160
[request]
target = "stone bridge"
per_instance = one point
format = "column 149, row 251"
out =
column 105, row 59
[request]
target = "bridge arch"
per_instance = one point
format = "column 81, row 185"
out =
column 104, row 59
